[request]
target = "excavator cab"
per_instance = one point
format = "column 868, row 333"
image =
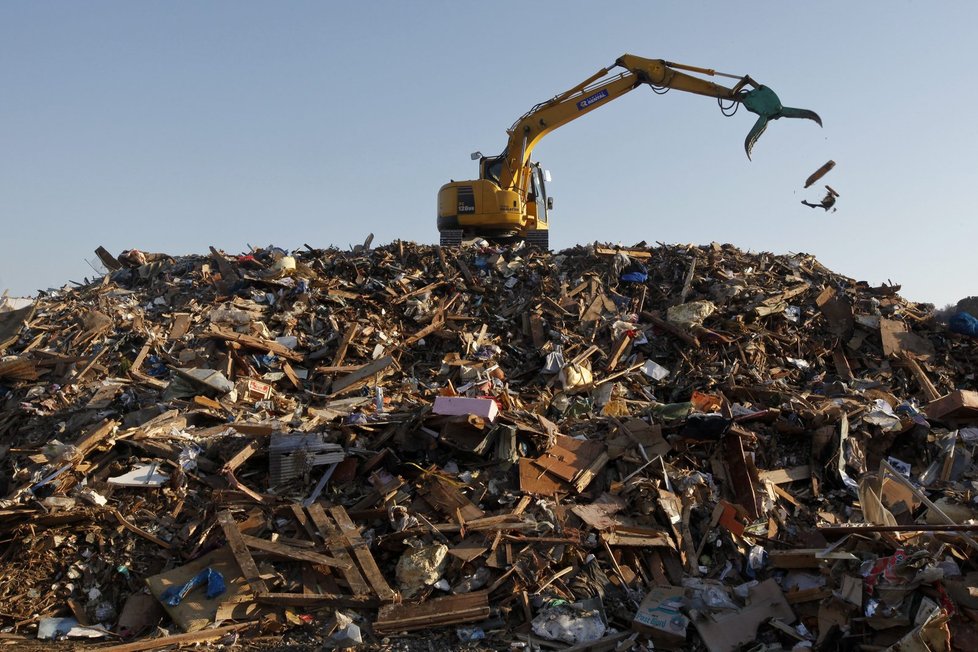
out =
column 481, row 208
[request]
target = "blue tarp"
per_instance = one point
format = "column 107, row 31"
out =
column 963, row 323
column 635, row 273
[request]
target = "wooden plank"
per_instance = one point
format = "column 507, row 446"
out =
column 251, row 342
column 291, row 552
column 467, row 275
column 348, row 336
column 241, row 456
column 740, row 470
column 362, row 374
column 229, row 274
column 587, row 474
column 837, row 311
column 670, row 328
column 560, row 462
column 342, row 294
column 638, row 537
column 339, row 369
column 617, row 351
column 367, row 563
column 449, row 610
column 782, row 476
column 332, row 537
column 139, row 531
column 291, row 375
column 255, row 429
column 24, row 369
column 240, row 551
column 631, row 253
column 303, row 521
column 437, row 323
column 806, row 557
column 181, row 324
column 807, row 595
column 111, row 262
column 318, row 600
column 536, row 330
column 451, row 501
column 784, row 494
column 470, row 548
column 841, row 364
column 444, row 263
column 897, row 340
column 926, row 386
column 207, row 402
column 428, row 288
column 91, row 363
column 177, row 639
column 94, row 437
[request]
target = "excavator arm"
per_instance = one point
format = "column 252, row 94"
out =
column 600, row 89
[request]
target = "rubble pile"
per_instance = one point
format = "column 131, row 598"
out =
column 673, row 447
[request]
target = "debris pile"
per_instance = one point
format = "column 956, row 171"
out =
column 674, row 447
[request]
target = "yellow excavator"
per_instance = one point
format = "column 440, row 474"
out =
column 510, row 200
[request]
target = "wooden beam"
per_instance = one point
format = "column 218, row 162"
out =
column 671, row 328
column 240, row 551
column 318, row 600
column 177, row 639
column 332, row 536
column 449, row 610
column 251, row 342
column 291, row 552
column 351, row 332
column 782, row 476
column 362, row 374
column 94, row 437
column 366, row 561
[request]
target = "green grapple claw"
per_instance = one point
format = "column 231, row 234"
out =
column 765, row 103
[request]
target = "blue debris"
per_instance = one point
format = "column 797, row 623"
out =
column 635, row 272
column 963, row 323
column 212, row 578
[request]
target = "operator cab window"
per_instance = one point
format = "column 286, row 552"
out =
column 493, row 168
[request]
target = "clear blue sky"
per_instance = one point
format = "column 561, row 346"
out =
column 171, row 126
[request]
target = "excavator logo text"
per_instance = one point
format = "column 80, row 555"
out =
column 588, row 101
column 466, row 199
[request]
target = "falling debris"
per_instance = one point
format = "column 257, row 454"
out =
column 407, row 447
column 828, row 201
column 819, row 173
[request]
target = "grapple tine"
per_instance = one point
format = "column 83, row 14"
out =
column 754, row 133
column 788, row 112
column 765, row 103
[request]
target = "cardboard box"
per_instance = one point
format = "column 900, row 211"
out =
column 959, row 404
column 660, row 618
column 250, row 389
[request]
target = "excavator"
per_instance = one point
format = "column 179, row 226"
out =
column 509, row 199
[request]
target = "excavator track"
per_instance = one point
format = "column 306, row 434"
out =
column 539, row 239
column 450, row 238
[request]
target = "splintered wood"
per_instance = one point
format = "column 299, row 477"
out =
column 427, row 439
column 449, row 610
column 338, row 535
